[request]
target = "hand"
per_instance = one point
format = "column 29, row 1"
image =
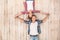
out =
column 48, row 14
column 16, row 16
column 44, row 12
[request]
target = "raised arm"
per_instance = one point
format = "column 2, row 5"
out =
column 18, row 14
column 17, row 17
column 44, row 13
column 45, row 18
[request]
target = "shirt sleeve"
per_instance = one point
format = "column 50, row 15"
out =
column 40, row 21
column 25, row 21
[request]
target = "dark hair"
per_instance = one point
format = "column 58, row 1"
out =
column 29, row 18
column 33, row 15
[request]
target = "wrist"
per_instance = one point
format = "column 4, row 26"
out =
column 48, row 14
column 16, row 16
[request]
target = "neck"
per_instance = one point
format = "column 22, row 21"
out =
column 33, row 21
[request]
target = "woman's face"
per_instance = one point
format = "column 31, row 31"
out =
column 30, row 14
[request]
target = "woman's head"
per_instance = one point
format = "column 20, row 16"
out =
column 30, row 14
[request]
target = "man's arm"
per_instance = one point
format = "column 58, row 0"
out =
column 45, row 18
column 21, row 19
column 17, row 17
column 18, row 14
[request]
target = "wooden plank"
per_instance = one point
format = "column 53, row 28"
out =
column 12, row 29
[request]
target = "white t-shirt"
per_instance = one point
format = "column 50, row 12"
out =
column 33, row 28
column 29, row 5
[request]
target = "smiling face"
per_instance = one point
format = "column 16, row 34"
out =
column 30, row 14
column 33, row 18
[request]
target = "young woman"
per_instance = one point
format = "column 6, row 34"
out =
column 28, row 17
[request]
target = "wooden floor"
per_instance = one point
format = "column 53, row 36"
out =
column 12, row 29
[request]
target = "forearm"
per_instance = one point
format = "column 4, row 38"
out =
column 21, row 19
column 44, row 13
column 17, row 17
column 18, row 14
column 46, row 17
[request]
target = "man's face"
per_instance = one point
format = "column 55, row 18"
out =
column 33, row 18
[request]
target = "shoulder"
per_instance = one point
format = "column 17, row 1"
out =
column 27, row 21
column 39, row 21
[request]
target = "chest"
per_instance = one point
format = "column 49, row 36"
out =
column 33, row 25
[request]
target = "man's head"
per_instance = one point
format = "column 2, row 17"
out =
column 34, row 18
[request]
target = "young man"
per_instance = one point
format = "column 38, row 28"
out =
column 33, row 26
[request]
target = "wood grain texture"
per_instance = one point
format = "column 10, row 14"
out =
column 12, row 29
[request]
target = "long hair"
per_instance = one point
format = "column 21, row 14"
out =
column 30, row 17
